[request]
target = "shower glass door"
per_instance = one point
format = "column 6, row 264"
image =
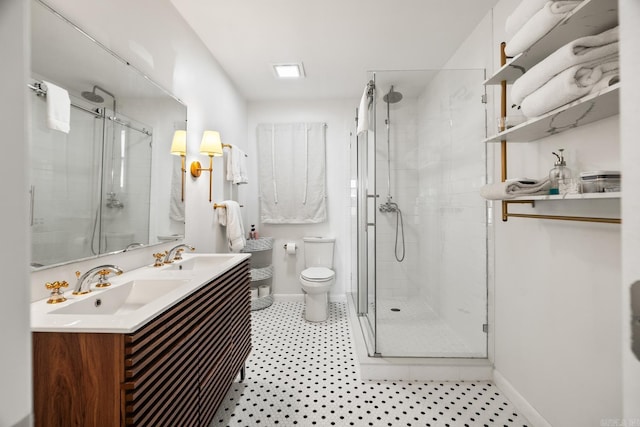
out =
column 425, row 247
column 126, row 184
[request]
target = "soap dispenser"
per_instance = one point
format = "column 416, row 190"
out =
column 560, row 174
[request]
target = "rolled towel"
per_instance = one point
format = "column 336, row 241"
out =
column 514, row 188
column 539, row 25
column 570, row 85
column 521, row 14
column 580, row 51
column 58, row 108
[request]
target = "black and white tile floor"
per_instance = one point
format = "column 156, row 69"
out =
column 305, row 374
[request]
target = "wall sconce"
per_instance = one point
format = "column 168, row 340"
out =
column 179, row 148
column 211, row 145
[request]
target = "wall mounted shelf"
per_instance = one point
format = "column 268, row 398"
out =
column 590, row 17
column 585, row 110
column 580, row 196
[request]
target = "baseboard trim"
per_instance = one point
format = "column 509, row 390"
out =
column 300, row 297
column 523, row 406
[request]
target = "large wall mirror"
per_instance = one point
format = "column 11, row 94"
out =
column 110, row 183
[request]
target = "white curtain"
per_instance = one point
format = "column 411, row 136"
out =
column 291, row 172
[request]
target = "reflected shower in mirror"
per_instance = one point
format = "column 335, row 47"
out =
column 111, row 182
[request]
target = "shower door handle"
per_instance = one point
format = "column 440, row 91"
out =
column 374, row 196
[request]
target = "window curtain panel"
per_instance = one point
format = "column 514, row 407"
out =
column 292, row 173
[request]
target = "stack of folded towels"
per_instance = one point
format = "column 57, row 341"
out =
column 515, row 187
column 581, row 67
column 531, row 20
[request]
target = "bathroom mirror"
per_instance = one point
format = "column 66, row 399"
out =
column 110, row 183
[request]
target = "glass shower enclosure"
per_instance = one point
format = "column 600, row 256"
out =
column 419, row 223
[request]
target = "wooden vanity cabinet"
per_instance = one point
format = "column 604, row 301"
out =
column 173, row 371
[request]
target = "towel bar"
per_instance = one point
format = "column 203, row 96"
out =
column 229, row 146
column 216, row 206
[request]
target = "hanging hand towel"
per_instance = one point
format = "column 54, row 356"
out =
column 231, row 217
column 58, row 108
column 236, row 165
column 540, row 24
column 363, row 111
column 580, row 51
column 176, row 204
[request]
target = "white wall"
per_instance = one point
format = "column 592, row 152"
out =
column 339, row 116
column 557, row 302
column 629, row 112
column 15, row 357
column 152, row 36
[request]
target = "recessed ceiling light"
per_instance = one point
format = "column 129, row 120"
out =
column 289, row 70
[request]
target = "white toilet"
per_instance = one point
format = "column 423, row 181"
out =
column 317, row 277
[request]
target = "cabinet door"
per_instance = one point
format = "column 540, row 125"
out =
column 160, row 387
column 217, row 343
column 77, row 379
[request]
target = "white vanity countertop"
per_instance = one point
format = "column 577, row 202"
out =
column 173, row 285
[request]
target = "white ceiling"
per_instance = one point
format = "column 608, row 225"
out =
column 337, row 40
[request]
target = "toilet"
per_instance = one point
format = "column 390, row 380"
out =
column 317, row 277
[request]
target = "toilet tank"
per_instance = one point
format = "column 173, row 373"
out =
column 318, row 251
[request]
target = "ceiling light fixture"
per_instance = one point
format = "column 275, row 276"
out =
column 289, row 70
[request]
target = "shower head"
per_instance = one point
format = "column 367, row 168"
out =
column 93, row 96
column 392, row 96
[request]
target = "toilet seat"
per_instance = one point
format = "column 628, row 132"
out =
column 317, row 274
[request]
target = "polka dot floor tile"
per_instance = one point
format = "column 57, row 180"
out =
column 305, row 374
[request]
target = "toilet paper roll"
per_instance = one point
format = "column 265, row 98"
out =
column 291, row 248
column 264, row 290
column 254, row 293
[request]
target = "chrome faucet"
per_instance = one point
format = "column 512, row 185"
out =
column 133, row 245
column 102, row 271
column 175, row 253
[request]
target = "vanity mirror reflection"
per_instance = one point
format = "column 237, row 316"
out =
column 111, row 182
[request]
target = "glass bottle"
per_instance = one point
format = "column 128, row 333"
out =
column 560, row 175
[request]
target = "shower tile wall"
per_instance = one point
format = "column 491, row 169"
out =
column 452, row 214
column 395, row 279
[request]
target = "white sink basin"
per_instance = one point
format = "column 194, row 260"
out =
column 199, row 262
column 134, row 298
column 121, row 299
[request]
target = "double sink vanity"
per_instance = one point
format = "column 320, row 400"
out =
column 159, row 346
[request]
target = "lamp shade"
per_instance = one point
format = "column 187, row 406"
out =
column 179, row 143
column 211, row 144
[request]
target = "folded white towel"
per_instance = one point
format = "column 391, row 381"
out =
column 520, row 15
column 539, row 25
column 363, row 111
column 571, row 84
column 580, row 51
column 514, row 188
column 237, row 165
column 231, row 217
column 58, row 108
